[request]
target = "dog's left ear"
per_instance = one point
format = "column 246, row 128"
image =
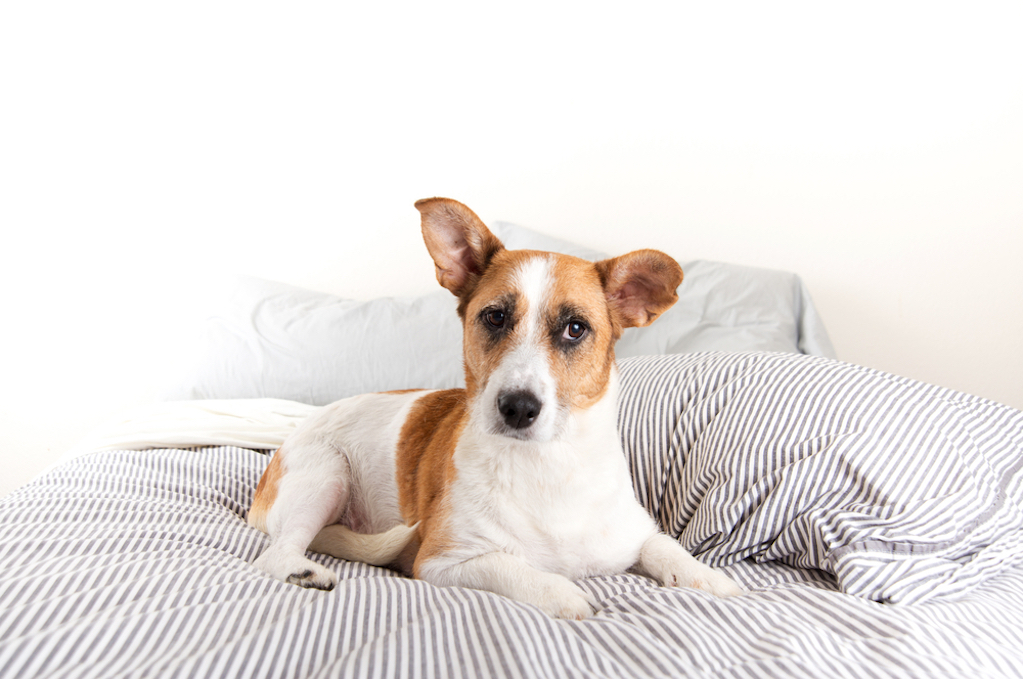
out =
column 639, row 286
column 459, row 242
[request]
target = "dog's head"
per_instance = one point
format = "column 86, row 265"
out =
column 539, row 327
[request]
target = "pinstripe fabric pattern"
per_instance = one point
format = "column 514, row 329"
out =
column 137, row 563
column 902, row 490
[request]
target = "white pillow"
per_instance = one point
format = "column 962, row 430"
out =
column 273, row 340
column 726, row 307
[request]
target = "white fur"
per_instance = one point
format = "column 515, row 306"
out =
column 556, row 511
column 565, row 506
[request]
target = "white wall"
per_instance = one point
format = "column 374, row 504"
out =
column 875, row 148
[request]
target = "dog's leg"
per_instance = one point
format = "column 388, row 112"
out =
column 307, row 500
column 666, row 561
column 511, row 576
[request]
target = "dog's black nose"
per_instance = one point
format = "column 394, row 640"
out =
column 518, row 408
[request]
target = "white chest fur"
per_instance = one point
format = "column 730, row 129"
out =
column 565, row 506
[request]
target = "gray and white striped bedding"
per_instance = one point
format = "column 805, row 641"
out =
column 875, row 520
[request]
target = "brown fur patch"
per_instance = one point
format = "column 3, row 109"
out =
column 481, row 359
column 426, row 468
column 582, row 374
column 266, row 491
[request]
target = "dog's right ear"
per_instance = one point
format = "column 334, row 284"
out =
column 459, row 242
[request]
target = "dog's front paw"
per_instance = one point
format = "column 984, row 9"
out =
column 706, row 578
column 667, row 562
column 559, row 597
column 511, row 576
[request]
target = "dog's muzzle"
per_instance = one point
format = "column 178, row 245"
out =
column 519, row 409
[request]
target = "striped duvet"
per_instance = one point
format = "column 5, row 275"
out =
column 875, row 520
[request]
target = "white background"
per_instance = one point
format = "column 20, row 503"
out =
column 874, row 148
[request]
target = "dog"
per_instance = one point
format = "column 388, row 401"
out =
column 516, row 484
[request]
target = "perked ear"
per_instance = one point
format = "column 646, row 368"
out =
column 639, row 286
column 459, row 242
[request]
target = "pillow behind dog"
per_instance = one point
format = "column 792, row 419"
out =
column 273, row 340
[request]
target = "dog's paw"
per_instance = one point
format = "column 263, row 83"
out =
column 707, row 579
column 295, row 569
column 667, row 562
column 309, row 578
column 559, row 597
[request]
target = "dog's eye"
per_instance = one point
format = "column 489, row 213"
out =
column 495, row 318
column 574, row 331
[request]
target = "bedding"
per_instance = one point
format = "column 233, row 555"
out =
column 874, row 520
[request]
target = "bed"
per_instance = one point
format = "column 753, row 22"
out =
column 874, row 520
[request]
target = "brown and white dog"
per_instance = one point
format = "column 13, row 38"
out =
column 516, row 484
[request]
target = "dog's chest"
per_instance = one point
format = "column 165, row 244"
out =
column 563, row 514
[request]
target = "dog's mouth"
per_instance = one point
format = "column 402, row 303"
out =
column 499, row 429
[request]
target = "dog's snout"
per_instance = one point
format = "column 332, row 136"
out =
column 518, row 408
